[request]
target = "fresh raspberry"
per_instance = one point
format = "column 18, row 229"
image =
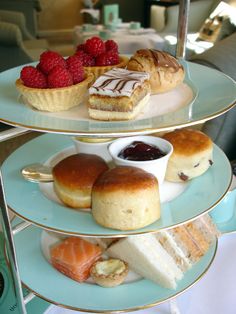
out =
column 107, row 58
column 94, row 46
column 87, row 60
column 49, row 59
column 59, row 77
column 80, row 47
column 32, row 77
column 75, row 67
column 111, row 45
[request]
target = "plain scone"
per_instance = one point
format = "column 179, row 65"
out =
column 125, row 198
column 165, row 71
column 192, row 154
column 74, row 177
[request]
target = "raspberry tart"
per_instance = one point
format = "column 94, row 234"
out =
column 99, row 57
column 55, row 84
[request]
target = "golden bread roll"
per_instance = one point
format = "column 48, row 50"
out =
column 125, row 198
column 192, row 154
column 165, row 71
column 74, row 177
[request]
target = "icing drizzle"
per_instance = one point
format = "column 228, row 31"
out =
column 160, row 58
column 118, row 82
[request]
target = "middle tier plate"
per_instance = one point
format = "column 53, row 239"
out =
column 28, row 202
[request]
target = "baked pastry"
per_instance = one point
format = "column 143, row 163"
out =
column 54, row 99
column 165, row 70
column 118, row 94
column 74, row 177
column 109, row 273
column 125, row 198
column 97, row 71
column 191, row 157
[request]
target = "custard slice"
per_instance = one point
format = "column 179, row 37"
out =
column 118, row 94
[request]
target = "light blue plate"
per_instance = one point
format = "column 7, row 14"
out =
column 27, row 201
column 228, row 226
column 40, row 277
column 215, row 94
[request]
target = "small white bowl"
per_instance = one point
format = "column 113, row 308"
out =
column 94, row 146
column 157, row 166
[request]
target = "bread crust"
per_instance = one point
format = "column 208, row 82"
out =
column 124, row 177
column 188, row 142
column 74, row 177
column 192, row 154
column 125, row 198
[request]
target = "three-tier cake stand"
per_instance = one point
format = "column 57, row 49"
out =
column 208, row 102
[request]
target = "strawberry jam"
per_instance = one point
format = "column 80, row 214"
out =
column 140, row 151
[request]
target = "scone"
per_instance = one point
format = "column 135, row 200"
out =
column 165, row 70
column 125, row 198
column 74, row 177
column 118, row 94
column 192, row 155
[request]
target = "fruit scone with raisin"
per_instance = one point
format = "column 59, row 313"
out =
column 119, row 94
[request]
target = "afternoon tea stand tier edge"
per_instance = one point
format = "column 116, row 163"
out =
column 7, row 228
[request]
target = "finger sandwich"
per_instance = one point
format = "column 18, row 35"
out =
column 118, row 94
column 165, row 256
column 146, row 256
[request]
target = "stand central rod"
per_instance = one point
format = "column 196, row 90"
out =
column 182, row 28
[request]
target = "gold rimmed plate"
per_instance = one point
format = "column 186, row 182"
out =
column 29, row 202
column 38, row 275
column 205, row 94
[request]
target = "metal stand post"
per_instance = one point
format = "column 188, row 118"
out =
column 182, row 28
column 11, row 133
column 11, row 250
column 7, row 230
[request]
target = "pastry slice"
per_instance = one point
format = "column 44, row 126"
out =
column 118, row 94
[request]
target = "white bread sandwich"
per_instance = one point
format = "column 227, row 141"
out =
column 176, row 249
column 189, row 242
column 165, row 256
column 146, row 256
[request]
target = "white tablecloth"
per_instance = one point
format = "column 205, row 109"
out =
column 128, row 40
column 215, row 293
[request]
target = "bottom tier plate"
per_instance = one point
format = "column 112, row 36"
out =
column 228, row 226
column 38, row 275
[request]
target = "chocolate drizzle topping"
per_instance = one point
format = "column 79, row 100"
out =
column 160, row 58
column 119, row 81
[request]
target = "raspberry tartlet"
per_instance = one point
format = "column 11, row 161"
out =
column 99, row 57
column 55, row 84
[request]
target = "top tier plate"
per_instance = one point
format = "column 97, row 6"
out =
column 213, row 93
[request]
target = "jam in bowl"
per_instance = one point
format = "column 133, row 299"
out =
column 140, row 151
column 149, row 153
